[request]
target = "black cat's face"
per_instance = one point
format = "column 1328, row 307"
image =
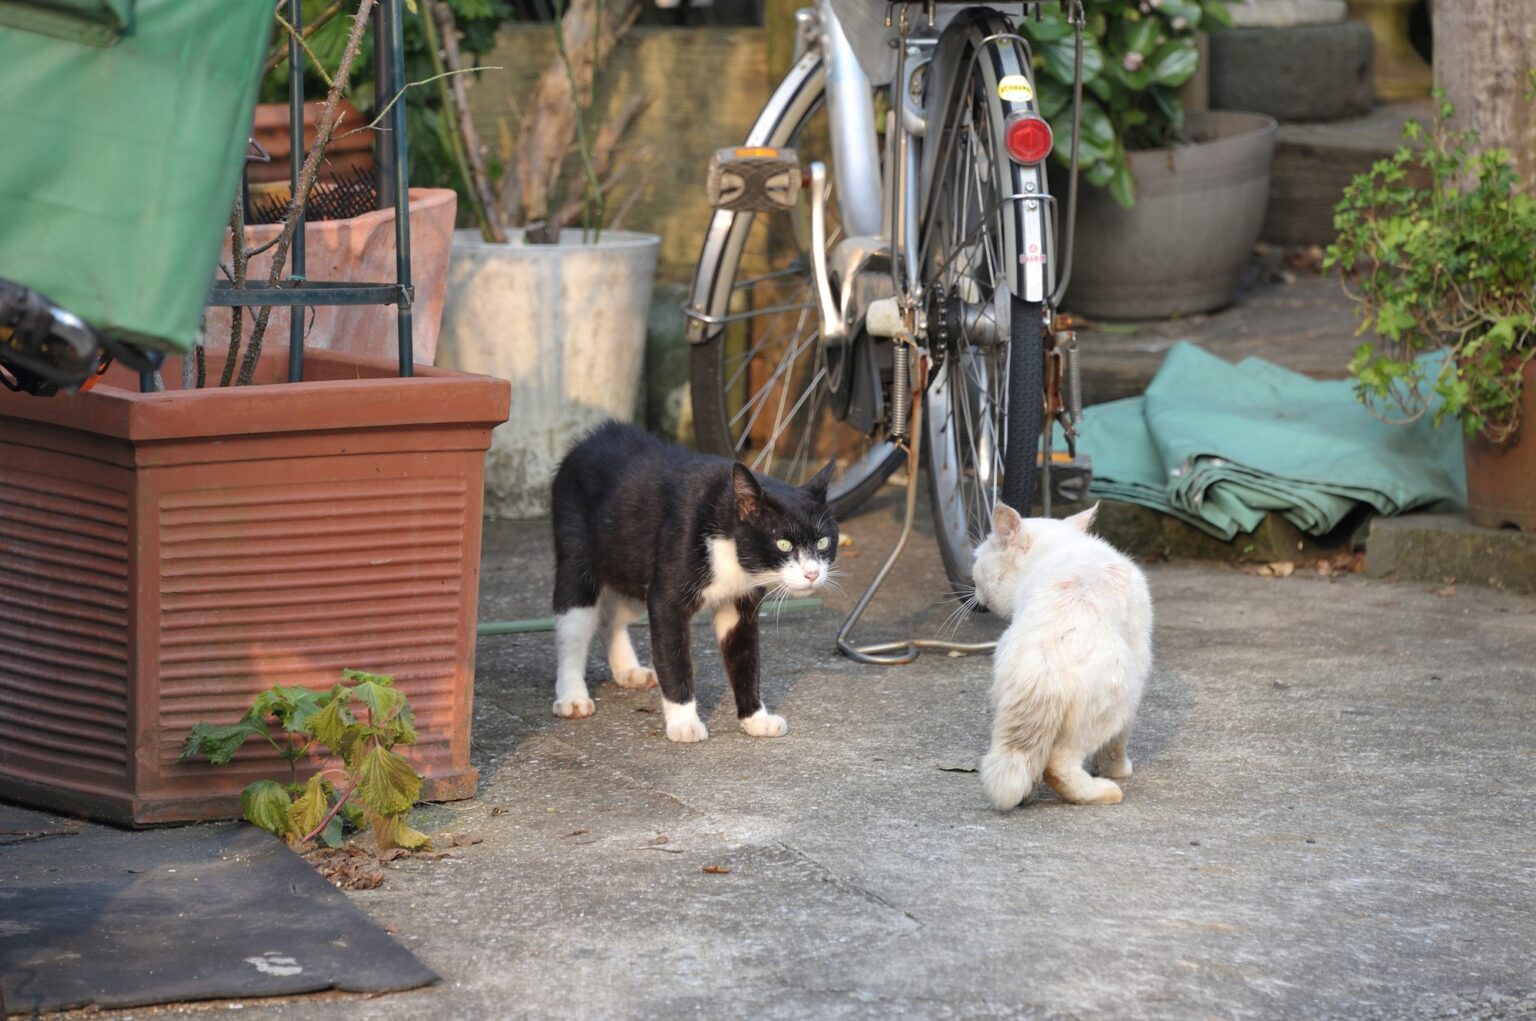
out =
column 786, row 535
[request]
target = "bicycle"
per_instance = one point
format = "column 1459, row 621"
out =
column 917, row 312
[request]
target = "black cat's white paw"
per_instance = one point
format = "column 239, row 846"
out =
column 575, row 708
column 635, row 678
column 764, row 724
column 683, row 723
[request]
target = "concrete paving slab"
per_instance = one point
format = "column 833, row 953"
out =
column 1330, row 818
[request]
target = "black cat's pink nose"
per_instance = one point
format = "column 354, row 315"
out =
column 812, row 573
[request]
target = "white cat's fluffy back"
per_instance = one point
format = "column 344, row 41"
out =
column 1069, row 670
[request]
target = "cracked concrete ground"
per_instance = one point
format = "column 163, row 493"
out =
column 1331, row 816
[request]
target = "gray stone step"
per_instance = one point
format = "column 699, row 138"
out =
column 1314, row 162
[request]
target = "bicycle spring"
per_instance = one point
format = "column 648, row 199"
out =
column 1074, row 381
column 901, row 392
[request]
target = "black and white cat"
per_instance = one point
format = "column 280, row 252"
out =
column 646, row 525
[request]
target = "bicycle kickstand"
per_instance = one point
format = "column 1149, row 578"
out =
column 899, row 652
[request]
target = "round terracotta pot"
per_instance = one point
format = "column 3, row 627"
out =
column 347, row 149
column 360, row 250
column 1501, row 477
column 1181, row 247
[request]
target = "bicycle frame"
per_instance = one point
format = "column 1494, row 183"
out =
column 884, row 216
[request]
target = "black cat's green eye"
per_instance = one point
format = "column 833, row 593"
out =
column 823, row 542
column 785, row 545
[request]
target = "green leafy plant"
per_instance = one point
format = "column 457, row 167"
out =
column 1136, row 55
column 1438, row 249
column 360, row 722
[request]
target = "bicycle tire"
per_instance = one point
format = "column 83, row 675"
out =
column 796, row 104
column 963, row 483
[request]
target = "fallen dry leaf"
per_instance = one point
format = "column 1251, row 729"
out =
column 844, row 541
column 1449, row 590
column 1278, row 569
column 659, row 839
column 465, row 839
column 497, row 809
column 717, row 870
column 1448, row 579
column 393, row 853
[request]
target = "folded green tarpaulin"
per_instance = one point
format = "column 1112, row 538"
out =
column 1220, row 445
column 123, row 146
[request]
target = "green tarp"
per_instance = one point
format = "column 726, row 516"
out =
column 1221, row 445
column 121, row 160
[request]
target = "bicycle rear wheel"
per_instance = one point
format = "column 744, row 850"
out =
column 985, row 401
column 765, row 390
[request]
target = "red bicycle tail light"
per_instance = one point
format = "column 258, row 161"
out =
column 1028, row 139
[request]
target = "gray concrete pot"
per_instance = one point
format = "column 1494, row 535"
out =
column 1198, row 212
column 566, row 324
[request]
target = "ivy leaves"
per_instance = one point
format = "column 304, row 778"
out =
column 1136, row 55
column 1438, row 250
column 360, row 721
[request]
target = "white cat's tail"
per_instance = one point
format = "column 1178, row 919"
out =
column 1023, row 733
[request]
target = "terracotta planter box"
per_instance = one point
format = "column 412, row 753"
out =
column 163, row 557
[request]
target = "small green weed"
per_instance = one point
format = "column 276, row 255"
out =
column 360, row 721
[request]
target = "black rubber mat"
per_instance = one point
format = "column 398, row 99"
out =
column 90, row 914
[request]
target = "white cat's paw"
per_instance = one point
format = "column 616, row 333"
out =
column 575, row 708
column 1115, row 769
column 764, row 724
column 683, row 723
column 1103, row 792
column 687, row 731
column 635, row 677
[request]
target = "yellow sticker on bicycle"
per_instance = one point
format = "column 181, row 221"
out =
column 1015, row 88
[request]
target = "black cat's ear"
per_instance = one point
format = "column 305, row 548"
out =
column 819, row 482
column 749, row 495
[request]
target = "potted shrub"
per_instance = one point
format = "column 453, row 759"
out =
column 1176, row 200
column 166, row 555
column 358, row 246
column 1448, row 266
column 546, row 292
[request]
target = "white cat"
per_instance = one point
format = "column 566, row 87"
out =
column 1069, row 669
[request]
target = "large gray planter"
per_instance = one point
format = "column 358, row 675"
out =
column 1198, row 212
column 566, row 324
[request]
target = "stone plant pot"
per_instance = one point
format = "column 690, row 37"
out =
column 360, row 249
column 1501, row 477
column 1181, row 248
column 566, row 324
column 165, row 556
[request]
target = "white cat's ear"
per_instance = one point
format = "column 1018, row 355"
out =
column 1006, row 521
column 1083, row 520
column 819, row 482
column 749, row 495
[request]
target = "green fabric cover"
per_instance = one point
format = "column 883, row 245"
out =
column 121, row 162
column 1221, row 445
column 93, row 22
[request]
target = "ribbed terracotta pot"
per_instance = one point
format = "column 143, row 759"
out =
column 163, row 557
column 1181, row 248
column 349, row 147
column 1501, row 477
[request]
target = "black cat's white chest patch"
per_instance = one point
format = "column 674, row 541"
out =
column 728, row 580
